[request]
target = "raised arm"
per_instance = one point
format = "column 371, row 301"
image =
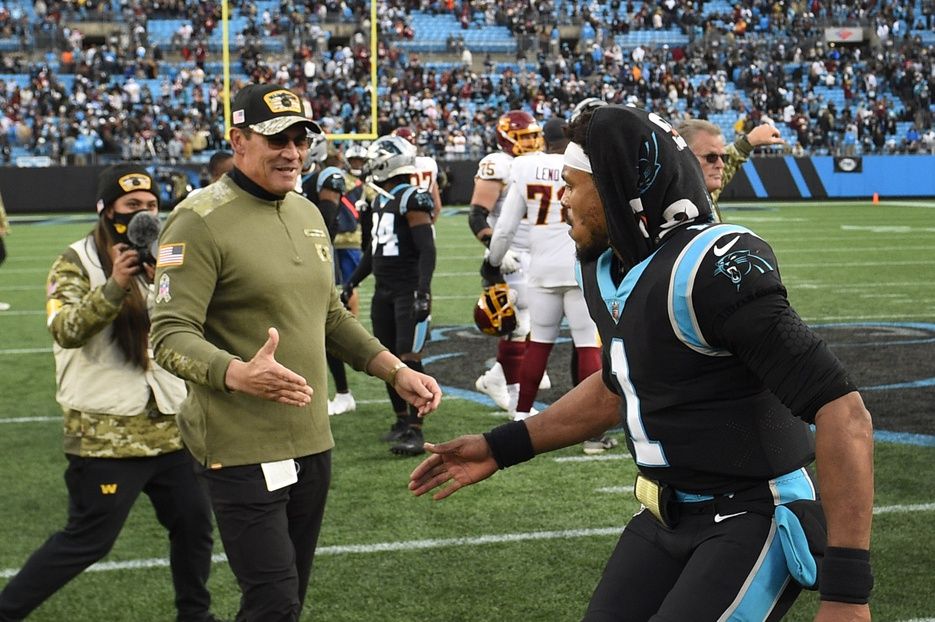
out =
column 586, row 411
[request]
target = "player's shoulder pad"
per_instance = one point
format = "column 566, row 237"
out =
column 736, row 259
column 523, row 168
column 719, row 268
column 427, row 163
column 495, row 167
column 722, row 253
column 331, row 178
column 416, row 199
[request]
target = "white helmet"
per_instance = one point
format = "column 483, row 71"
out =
column 317, row 149
column 589, row 103
column 358, row 151
column 388, row 157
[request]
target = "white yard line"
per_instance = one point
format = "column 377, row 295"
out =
column 406, row 546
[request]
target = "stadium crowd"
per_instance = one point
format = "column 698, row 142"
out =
column 754, row 62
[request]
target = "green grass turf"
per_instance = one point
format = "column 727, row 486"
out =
column 477, row 559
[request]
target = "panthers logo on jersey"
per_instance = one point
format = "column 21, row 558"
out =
column 739, row 264
column 648, row 164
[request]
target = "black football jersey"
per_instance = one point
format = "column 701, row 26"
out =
column 697, row 415
column 312, row 185
column 395, row 257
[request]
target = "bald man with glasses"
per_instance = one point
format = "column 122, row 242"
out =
column 719, row 163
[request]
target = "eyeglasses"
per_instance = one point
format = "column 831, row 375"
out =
column 712, row 158
column 281, row 141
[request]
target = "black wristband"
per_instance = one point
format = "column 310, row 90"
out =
column 845, row 576
column 486, row 240
column 510, row 444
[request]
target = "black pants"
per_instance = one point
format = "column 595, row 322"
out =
column 270, row 537
column 702, row 570
column 101, row 492
column 391, row 316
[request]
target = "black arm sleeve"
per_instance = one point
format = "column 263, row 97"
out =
column 477, row 219
column 329, row 211
column 365, row 267
column 793, row 362
column 424, row 241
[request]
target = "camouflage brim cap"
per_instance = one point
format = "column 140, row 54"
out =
column 269, row 109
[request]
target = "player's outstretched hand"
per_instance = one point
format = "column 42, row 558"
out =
column 263, row 376
column 420, row 390
column 765, row 134
column 463, row 461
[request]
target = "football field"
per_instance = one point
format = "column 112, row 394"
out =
column 530, row 543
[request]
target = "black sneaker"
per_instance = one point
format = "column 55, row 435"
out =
column 410, row 443
column 396, row 431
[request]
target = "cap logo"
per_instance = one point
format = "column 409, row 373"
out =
column 134, row 182
column 283, row 101
column 238, row 116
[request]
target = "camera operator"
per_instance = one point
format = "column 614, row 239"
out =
column 121, row 438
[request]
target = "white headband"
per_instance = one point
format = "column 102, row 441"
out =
column 575, row 158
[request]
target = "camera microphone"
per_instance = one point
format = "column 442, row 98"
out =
column 143, row 232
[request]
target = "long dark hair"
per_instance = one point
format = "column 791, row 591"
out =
column 131, row 326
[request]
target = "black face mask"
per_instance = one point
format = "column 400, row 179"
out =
column 118, row 227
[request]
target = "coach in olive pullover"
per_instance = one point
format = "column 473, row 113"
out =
column 245, row 309
column 250, row 261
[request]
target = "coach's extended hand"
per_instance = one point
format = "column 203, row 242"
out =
column 262, row 376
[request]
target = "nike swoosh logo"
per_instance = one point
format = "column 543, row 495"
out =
column 719, row 251
column 722, row 517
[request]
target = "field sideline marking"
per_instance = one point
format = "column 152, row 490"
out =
column 473, row 273
column 901, row 438
column 440, row 543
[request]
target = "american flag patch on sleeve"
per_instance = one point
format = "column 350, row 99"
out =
column 170, row 255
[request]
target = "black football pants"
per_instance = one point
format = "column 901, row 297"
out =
column 270, row 537
column 101, row 492
column 394, row 326
column 700, row 571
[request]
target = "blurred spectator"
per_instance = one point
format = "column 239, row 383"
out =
column 876, row 86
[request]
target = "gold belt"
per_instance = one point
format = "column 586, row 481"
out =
column 655, row 497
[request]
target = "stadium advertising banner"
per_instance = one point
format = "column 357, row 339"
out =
column 844, row 35
column 848, row 164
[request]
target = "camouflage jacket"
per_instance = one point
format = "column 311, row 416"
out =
column 77, row 312
column 738, row 152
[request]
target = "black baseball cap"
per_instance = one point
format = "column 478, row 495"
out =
column 269, row 109
column 554, row 130
column 120, row 179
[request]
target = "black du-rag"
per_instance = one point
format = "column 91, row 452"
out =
column 648, row 179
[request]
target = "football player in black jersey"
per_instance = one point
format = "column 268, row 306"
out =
column 399, row 248
column 716, row 380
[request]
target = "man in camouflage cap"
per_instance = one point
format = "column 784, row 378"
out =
column 121, row 438
column 245, row 310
